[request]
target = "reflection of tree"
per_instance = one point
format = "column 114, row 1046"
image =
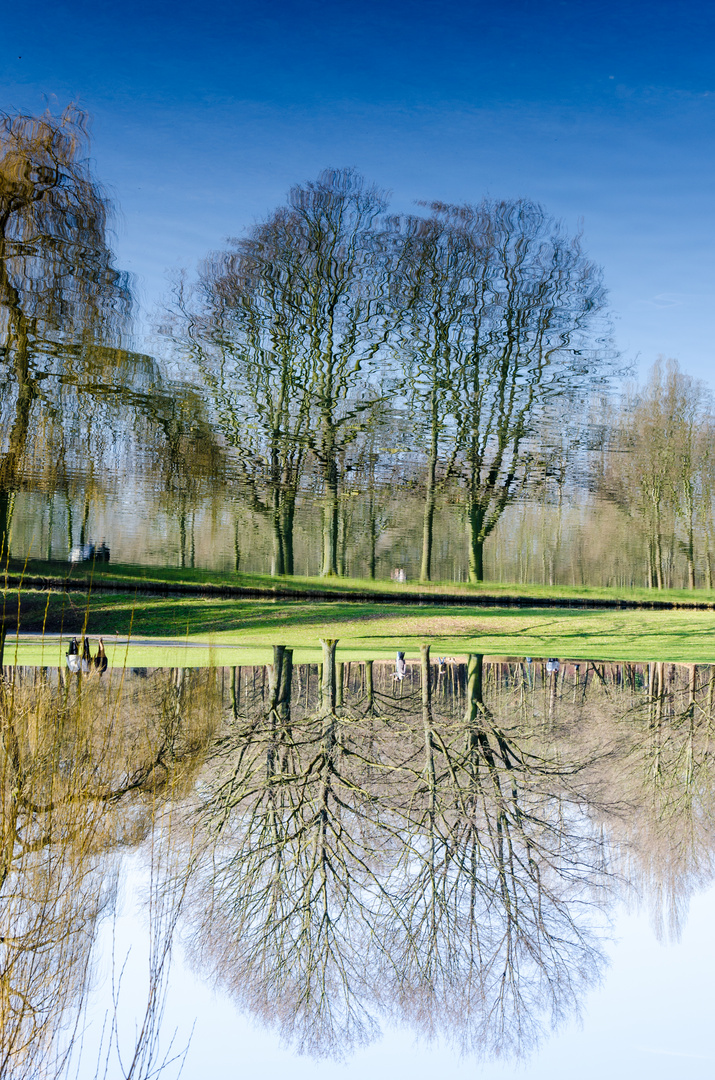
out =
column 500, row 308
column 59, row 292
column 662, row 480
column 284, row 329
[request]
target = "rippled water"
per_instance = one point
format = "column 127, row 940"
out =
column 355, row 855
column 340, row 391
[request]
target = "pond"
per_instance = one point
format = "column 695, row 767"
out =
column 400, row 865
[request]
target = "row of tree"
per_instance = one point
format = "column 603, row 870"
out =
column 335, row 336
column 658, row 468
column 433, row 374
column 341, row 849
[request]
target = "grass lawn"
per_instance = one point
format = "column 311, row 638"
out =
column 36, row 572
column 172, row 625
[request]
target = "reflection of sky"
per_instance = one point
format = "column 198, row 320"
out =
column 204, row 115
column 652, row 1016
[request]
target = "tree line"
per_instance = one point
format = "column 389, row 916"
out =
column 340, row 849
column 337, row 375
column 334, row 335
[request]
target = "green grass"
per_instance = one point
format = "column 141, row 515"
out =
column 364, row 630
column 146, row 577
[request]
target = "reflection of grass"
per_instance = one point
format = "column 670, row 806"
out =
column 36, row 571
column 369, row 629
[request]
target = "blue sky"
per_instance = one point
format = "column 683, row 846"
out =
column 204, row 116
column 651, row 1017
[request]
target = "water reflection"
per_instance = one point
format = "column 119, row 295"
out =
column 78, row 408
column 342, row 848
column 342, row 390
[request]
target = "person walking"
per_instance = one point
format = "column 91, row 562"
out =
column 100, row 660
column 73, row 660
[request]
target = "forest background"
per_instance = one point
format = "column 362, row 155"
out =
column 340, row 391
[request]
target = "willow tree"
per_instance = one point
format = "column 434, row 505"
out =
column 59, row 293
column 76, row 791
column 284, row 329
column 502, row 318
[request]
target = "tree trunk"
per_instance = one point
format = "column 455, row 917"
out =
column 182, row 538
column 50, row 525
column 328, row 677
column 277, row 559
column 476, row 545
column 651, row 565
column 372, row 537
column 342, row 543
column 70, row 525
column 426, row 690
column 430, row 772
column 658, row 561
column 330, row 521
column 85, row 523
column 235, row 692
column 339, row 681
column 236, row 548
column 5, row 520
column 690, row 554
column 287, row 520
column 428, row 519
column 280, row 679
column 475, row 666
column 369, row 688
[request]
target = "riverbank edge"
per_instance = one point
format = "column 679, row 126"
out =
column 129, row 582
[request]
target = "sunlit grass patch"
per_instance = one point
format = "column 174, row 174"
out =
column 145, row 577
column 193, row 632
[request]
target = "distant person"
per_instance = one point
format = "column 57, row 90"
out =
column 73, row 659
column 86, row 665
column 102, row 553
column 552, row 666
column 100, row 660
column 400, row 667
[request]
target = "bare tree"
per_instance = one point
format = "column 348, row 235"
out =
column 284, row 329
column 657, row 472
column 504, row 306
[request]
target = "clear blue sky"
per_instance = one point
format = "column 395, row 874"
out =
column 204, row 115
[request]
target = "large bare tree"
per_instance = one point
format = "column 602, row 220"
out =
column 284, row 329
column 501, row 308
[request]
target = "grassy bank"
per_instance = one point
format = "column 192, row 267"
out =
column 35, row 573
column 363, row 629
